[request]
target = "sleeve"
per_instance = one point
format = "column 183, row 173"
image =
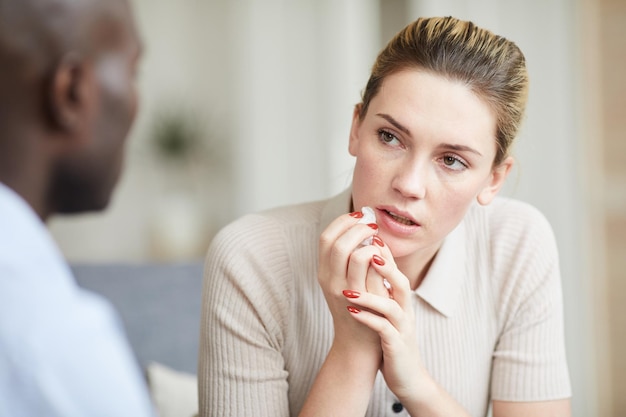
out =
column 74, row 361
column 246, row 288
column 529, row 361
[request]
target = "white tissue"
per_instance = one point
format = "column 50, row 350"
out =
column 368, row 217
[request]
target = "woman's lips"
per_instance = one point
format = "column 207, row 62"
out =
column 401, row 219
column 397, row 221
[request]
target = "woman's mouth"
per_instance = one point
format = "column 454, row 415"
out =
column 400, row 219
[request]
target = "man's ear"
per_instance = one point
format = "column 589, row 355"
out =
column 498, row 175
column 354, row 130
column 67, row 92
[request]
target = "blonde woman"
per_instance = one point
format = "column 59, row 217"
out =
column 454, row 306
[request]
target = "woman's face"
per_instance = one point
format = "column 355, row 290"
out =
column 424, row 152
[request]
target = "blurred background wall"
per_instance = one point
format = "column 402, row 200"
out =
column 247, row 104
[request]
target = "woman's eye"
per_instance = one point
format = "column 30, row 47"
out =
column 454, row 163
column 386, row 137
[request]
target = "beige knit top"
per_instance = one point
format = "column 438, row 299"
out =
column 488, row 314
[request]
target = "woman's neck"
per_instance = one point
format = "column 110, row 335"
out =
column 416, row 266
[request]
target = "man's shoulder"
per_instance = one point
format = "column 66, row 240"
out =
column 62, row 344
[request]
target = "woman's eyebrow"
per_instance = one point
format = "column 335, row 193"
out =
column 394, row 122
column 403, row 129
column 459, row 148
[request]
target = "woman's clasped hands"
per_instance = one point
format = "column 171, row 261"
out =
column 371, row 303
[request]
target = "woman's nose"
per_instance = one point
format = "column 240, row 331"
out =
column 411, row 179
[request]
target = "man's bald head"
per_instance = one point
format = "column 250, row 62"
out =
column 35, row 35
column 67, row 99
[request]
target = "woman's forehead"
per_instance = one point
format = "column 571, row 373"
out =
column 435, row 106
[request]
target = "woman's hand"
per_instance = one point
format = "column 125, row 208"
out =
column 345, row 263
column 392, row 317
column 344, row 383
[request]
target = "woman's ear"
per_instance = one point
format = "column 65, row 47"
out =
column 354, row 130
column 498, row 175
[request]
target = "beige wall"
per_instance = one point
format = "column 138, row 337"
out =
column 613, row 87
column 603, row 111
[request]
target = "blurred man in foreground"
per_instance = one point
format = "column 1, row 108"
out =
column 67, row 102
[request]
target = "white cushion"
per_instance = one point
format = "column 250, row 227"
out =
column 175, row 394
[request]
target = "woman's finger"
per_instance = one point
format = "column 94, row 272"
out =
column 335, row 229
column 376, row 322
column 397, row 283
column 339, row 240
column 359, row 267
column 379, row 305
column 375, row 283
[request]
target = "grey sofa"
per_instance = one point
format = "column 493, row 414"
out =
column 159, row 305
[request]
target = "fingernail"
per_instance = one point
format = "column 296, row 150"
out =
column 356, row 214
column 353, row 310
column 351, row 294
column 378, row 260
column 373, row 226
column 378, row 241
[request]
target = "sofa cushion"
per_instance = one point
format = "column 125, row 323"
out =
column 175, row 394
column 159, row 305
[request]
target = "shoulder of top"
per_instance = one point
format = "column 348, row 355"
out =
column 274, row 219
column 294, row 214
column 504, row 213
column 509, row 205
column 302, row 212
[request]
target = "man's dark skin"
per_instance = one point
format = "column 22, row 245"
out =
column 67, row 100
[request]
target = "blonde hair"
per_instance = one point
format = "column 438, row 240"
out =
column 490, row 65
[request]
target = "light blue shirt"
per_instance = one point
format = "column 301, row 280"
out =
column 63, row 351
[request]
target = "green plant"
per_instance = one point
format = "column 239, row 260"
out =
column 176, row 135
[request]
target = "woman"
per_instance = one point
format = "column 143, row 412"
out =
column 454, row 306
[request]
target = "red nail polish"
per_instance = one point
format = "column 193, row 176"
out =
column 351, row 294
column 353, row 310
column 356, row 214
column 373, row 226
column 378, row 260
column 378, row 241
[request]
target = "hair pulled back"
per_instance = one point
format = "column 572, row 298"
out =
column 493, row 67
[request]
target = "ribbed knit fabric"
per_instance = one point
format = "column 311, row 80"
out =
column 488, row 314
